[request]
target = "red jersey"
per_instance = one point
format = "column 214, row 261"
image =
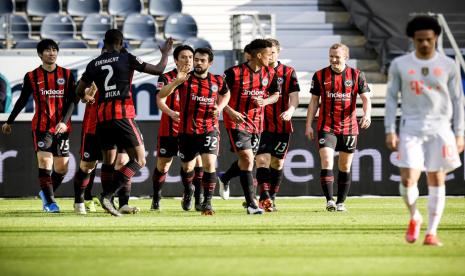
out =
column 338, row 94
column 198, row 98
column 112, row 72
column 52, row 93
column 169, row 127
column 287, row 83
column 245, row 84
column 89, row 123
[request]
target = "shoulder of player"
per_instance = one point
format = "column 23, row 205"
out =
column 446, row 59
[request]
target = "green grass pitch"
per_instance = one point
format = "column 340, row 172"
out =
column 302, row 238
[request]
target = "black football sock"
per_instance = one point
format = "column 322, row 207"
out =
column 326, row 181
column 124, row 194
column 246, row 178
column 198, row 178
column 232, row 172
column 46, row 185
column 208, row 184
column 263, row 180
column 186, row 179
column 343, row 186
column 81, row 181
column 276, row 177
column 57, row 179
column 123, row 176
column 106, row 176
column 158, row 180
column 90, row 185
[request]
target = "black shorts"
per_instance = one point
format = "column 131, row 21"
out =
column 58, row 144
column 243, row 140
column 191, row 145
column 122, row 133
column 275, row 144
column 90, row 148
column 338, row 142
column 167, row 146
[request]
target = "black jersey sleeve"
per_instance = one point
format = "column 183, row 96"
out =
column 315, row 86
column 136, row 63
column 26, row 92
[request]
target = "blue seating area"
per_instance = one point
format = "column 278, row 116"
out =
column 83, row 23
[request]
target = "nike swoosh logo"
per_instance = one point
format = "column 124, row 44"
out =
column 39, row 82
column 327, row 82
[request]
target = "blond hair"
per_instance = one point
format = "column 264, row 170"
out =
column 275, row 43
column 344, row 47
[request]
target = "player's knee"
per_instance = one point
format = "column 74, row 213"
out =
column 276, row 163
column 326, row 164
column 261, row 161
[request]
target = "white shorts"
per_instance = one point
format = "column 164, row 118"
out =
column 433, row 152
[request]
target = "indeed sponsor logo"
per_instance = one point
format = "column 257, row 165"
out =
column 254, row 92
column 341, row 96
column 203, row 99
column 52, row 92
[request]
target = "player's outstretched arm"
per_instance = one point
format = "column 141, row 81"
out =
column 26, row 92
column 311, row 112
column 81, row 92
column 223, row 100
column 160, row 67
column 182, row 76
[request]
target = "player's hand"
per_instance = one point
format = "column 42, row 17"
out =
column 88, row 99
column 237, row 117
column 165, row 50
column 460, row 143
column 309, row 133
column 286, row 115
column 365, row 121
column 61, row 128
column 183, row 73
column 6, row 128
column 215, row 112
column 392, row 141
column 175, row 116
column 259, row 101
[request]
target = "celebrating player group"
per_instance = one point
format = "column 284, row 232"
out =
column 257, row 99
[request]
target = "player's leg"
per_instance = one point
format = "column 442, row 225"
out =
column 262, row 162
column 88, row 198
column 81, row 181
column 198, row 176
column 167, row 148
column 60, row 152
column 327, row 143
column 208, row 182
column 343, row 179
column 45, row 165
column 124, row 192
column 441, row 156
column 108, row 185
column 245, row 162
column 276, row 177
column 278, row 154
column 233, row 171
column 189, row 146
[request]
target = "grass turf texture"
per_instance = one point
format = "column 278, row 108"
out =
column 302, row 238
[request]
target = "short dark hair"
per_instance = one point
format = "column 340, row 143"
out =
column 113, row 36
column 423, row 22
column 181, row 48
column 247, row 49
column 257, row 45
column 205, row 51
column 45, row 44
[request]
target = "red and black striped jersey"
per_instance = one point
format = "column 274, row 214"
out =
column 338, row 95
column 169, row 127
column 287, row 83
column 89, row 123
column 244, row 85
column 198, row 98
column 52, row 92
column 112, row 72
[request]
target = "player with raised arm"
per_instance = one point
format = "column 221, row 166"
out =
column 274, row 141
column 52, row 88
column 334, row 91
column 112, row 73
column 431, row 97
column 202, row 97
column 253, row 85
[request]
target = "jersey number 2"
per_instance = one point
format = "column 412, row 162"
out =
column 107, row 79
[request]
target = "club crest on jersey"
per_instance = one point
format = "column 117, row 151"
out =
column 215, row 88
column 321, row 141
column 265, row 82
column 348, row 83
column 162, row 151
column 40, row 144
column 60, row 81
column 280, row 80
column 239, row 144
column 86, row 155
column 424, row 71
column 181, row 155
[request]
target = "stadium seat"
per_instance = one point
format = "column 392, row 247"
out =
column 42, row 7
column 180, row 26
column 58, row 27
column 20, row 27
column 196, row 42
column 95, row 26
column 139, row 27
column 7, row 6
column 124, row 7
column 83, row 7
column 73, row 44
column 151, row 43
column 26, row 44
column 164, row 7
